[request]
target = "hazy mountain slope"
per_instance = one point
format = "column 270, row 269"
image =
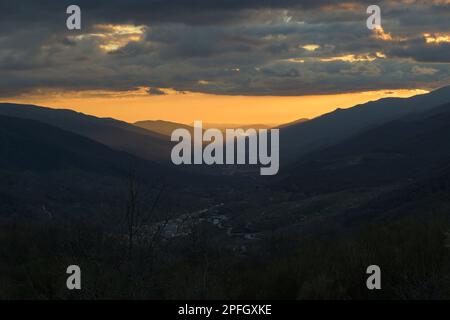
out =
column 298, row 121
column 425, row 196
column 402, row 149
column 42, row 165
column 162, row 127
column 45, row 168
column 334, row 127
column 116, row 134
column 223, row 126
column 32, row 145
column 167, row 127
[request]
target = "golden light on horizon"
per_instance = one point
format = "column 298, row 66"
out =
column 436, row 38
column 136, row 105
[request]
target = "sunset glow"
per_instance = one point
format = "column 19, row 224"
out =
column 186, row 107
column 437, row 38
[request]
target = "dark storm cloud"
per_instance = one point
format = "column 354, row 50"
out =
column 156, row 92
column 423, row 53
column 192, row 11
column 248, row 47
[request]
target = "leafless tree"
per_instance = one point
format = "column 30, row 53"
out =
column 141, row 228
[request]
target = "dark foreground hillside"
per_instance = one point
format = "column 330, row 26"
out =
column 410, row 243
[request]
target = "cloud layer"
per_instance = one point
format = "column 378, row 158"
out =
column 245, row 47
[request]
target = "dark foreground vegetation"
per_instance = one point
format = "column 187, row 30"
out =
column 413, row 252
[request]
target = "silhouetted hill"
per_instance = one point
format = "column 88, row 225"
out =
column 162, row 127
column 298, row 121
column 224, row 126
column 299, row 139
column 43, row 165
column 32, row 145
column 418, row 197
column 406, row 148
column 166, row 127
column 45, row 168
column 114, row 133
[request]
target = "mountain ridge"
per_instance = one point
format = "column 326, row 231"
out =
column 299, row 139
column 114, row 133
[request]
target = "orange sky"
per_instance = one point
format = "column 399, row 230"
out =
column 186, row 107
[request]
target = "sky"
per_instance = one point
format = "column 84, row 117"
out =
column 233, row 61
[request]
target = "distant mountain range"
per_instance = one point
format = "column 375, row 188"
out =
column 33, row 145
column 149, row 139
column 299, row 139
column 167, row 127
column 298, row 121
column 44, row 168
column 162, row 127
column 408, row 148
column 224, row 126
column 113, row 133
